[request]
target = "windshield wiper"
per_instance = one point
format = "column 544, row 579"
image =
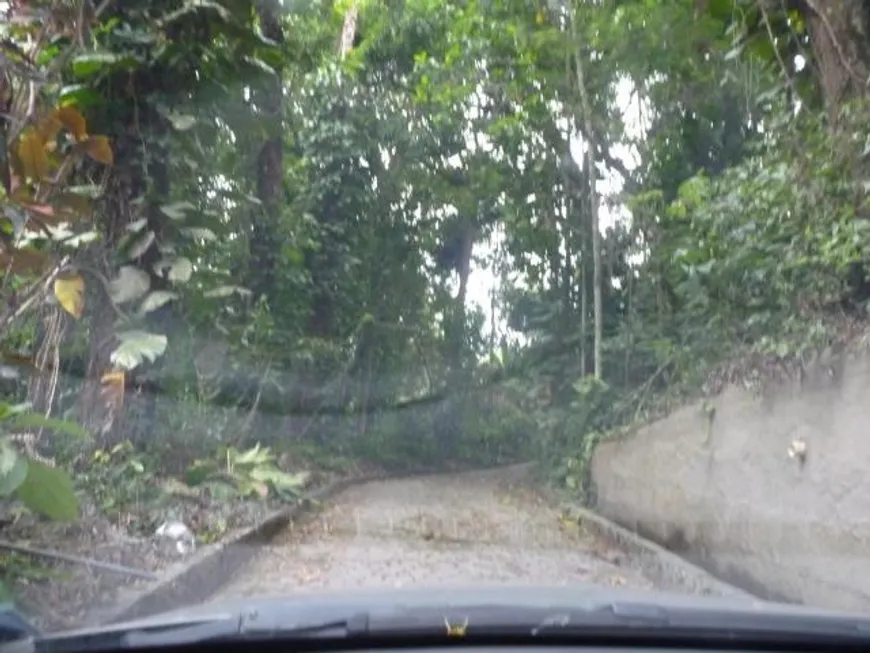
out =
column 243, row 628
column 250, row 624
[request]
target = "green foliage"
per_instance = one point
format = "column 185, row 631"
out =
column 118, row 478
column 13, row 469
column 251, row 473
column 43, row 489
column 774, row 234
column 272, row 243
column 747, row 233
column 49, row 491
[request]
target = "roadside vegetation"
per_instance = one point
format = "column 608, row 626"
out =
column 244, row 244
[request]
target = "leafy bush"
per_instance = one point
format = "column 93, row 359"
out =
column 39, row 485
column 250, row 473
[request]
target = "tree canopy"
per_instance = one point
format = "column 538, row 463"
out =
column 416, row 231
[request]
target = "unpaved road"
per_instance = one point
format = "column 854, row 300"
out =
column 477, row 528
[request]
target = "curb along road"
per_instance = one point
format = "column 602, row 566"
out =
column 195, row 579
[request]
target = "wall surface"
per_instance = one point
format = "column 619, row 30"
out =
column 724, row 493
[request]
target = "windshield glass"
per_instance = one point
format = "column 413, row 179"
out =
column 368, row 294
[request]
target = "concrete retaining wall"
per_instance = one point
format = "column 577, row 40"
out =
column 724, row 492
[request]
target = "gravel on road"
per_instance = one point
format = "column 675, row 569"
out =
column 480, row 528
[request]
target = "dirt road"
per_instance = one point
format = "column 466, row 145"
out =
column 479, row 528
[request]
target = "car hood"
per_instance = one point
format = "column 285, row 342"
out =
column 316, row 606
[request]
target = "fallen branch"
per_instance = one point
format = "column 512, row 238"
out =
column 87, row 562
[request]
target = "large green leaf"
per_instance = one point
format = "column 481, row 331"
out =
column 178, row 210
column 280, row 479
column 13, row 468
column 137, row 347
column 130, row 284
column 97, row 63
column 49, row 491
column 79, row 95
column 155, row 300
column 8, row 411
column 199, row 233
column 34, row 420
column 181, row 270
column 226, row 291
column 181, row 122
column 256, row 455
column 92, row 62
column 200, row 471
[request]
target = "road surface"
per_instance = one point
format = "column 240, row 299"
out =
column 474, row 528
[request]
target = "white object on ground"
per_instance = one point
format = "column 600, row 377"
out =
column 185, row 541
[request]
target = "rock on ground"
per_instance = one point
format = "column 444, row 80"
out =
column 471, row 528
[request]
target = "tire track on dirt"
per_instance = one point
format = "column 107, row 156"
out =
column 481, row 528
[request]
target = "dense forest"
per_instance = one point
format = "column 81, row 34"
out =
column 242, row 239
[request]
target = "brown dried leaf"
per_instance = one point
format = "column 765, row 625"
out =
column 112, row 385
column 45, row 214
column 32, row 154
column 98, row 148
column 24, row 261
column 42, row 210
column 54, row 215
column 74, row 121
column 73, row 204
column 18, row 360
column 49, row 127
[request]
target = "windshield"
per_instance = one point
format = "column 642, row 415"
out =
column 360, row 294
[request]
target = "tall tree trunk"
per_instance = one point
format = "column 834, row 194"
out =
column 146, row 380
column 100, row 410
column 348, row 31
column 838, row 32
column 584, row 306
column 458, row 336
column 575, row 219
column 591, row 145
column 136, row 165
column 270, row 166
column 629, row 328
column 453, row 411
